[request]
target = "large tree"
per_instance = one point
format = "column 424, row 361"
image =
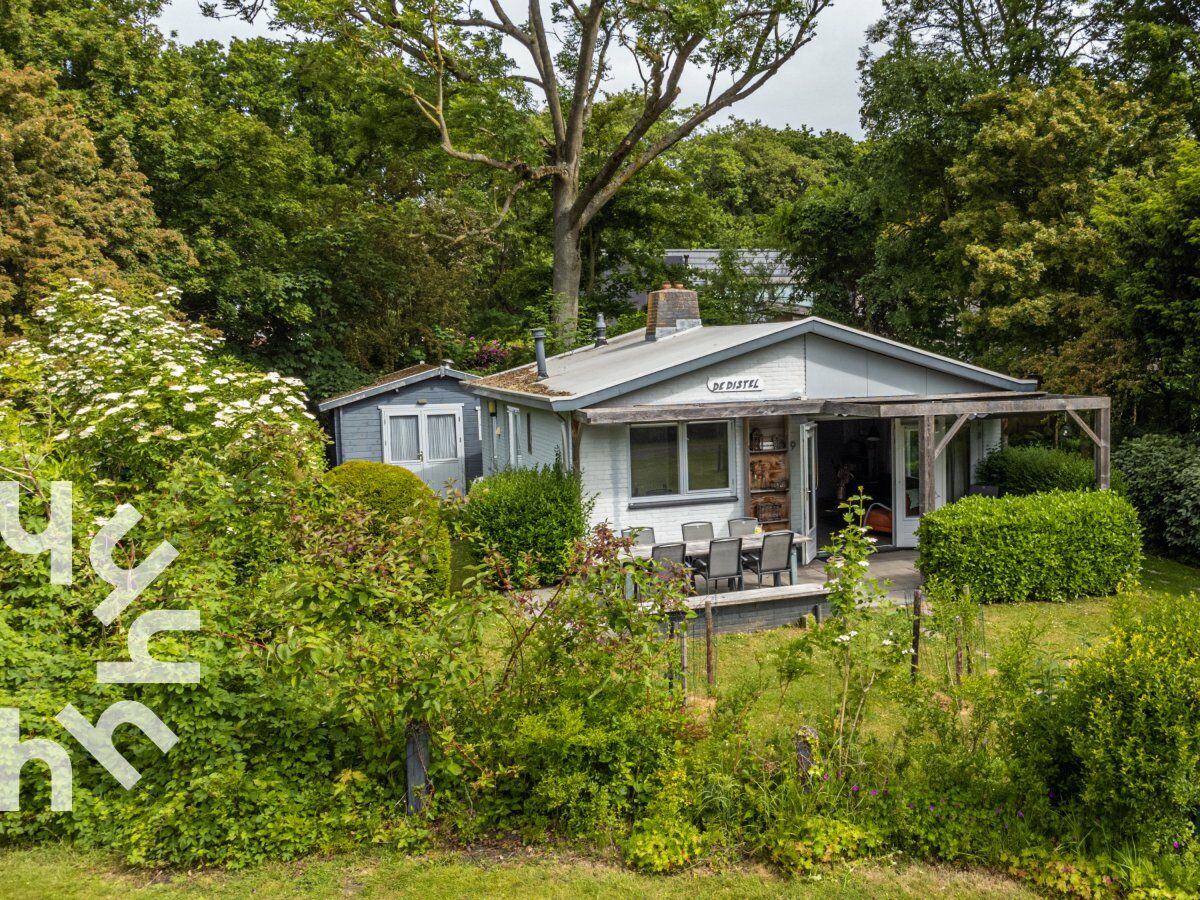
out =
column 65, row 211
column 469, row 91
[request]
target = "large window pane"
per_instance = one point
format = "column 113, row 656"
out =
column 708, row 456
column 403, row 434
column 654, row 460
column 442, row 436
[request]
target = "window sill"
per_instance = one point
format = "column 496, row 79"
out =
column 681, row 500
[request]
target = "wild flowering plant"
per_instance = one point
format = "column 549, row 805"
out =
column 128, row 382
column 849, row 550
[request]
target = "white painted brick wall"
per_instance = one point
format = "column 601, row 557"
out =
column 781, row 369
column 604, row 452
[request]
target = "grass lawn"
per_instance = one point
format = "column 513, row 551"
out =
column 1063, row 630
column 66, row 873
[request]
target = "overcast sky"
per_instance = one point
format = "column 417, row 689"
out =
column 819, row 88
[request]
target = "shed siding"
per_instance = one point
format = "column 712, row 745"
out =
column 360, row 434
column 547, row 433
column 604, row 453
column 780, row 367
column 836, row 370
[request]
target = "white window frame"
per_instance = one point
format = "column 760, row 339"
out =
column 421, row 411
column 730, row 490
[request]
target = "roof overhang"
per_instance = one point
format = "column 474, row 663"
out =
column 916, row 405
column 375, row 389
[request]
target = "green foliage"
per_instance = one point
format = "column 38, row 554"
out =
column 67, row 211
column 816, row 841
column 1161, row 475
column 1035, row 470
column 1052, row 546
column 319, row 647
column 573, row 729
column 133, row 386
column 1122, row 736
column 401, row 498
column 532, row 516
column 849, row 586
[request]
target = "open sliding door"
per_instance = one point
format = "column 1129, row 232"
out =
column 906, row 487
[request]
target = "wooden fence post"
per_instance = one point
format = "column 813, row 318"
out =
column 958, row 654
column 416, row 767
column 916, row 641
column 806, row 746
column 683, row 662
column 710, row 647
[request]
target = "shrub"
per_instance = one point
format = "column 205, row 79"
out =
column 1053, row 546
column 1123, row 735
column 531, row 516
column 1033, row 470
column 1161, row 475
column 403, row 499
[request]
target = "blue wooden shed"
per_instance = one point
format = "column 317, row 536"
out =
column 422, row 418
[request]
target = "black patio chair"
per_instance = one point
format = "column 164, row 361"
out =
column 724, row 561
column 773, row 558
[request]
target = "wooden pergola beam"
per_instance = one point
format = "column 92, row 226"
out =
column 983, row 407
column 928, row 455
column 949, row 435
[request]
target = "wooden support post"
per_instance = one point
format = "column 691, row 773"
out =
column 928, row 456
column 1104, row 448
column 683, row 663
column 916, row 641
column 416, row 768
column 710, row 646
column 958, row 655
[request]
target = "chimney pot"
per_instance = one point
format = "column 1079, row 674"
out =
column 666, row 285
column 539, row 352
column 679, row 285
column 601, row 330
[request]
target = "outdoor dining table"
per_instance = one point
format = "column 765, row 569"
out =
column 699, row 549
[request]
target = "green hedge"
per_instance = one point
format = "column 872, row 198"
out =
column 397, row 493
column 1053, row 546
column 1161, row 477
column 1034, row 470
column 532, row 516
column 1122, row 738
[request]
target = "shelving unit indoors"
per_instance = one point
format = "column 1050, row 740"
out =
column 768, row 479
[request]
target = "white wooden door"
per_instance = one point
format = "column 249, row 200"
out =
column 426, row 440
column 906, row 478
column 808, row 491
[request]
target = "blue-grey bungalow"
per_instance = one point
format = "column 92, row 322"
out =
column 778, row 421
column 422, row 418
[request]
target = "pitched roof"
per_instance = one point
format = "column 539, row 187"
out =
column 627, row 363
column 391, row 381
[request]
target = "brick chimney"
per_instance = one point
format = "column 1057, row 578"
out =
column 670, row 310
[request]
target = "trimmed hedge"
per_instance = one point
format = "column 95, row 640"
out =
column 1034, row 470
column 532, row 516
column 1053, row 546
column 1161, row 477
column 397, row 493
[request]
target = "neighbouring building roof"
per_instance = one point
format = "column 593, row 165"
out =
column 627, row 363
column 393, row 380
column 772, row 264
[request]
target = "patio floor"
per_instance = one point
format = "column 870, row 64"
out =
column 897, row 566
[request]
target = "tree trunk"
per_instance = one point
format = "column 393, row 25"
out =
column 568, row 263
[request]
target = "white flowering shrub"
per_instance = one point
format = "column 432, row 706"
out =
column 130, row 384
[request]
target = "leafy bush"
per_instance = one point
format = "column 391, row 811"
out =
column 818, row 841
column 1123, row 735
column 531, row 516
column 1053, row 546
column 319, row 647
column 402, row 498
column 573, row 728
column 1162, row 479
column 1034, row 470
